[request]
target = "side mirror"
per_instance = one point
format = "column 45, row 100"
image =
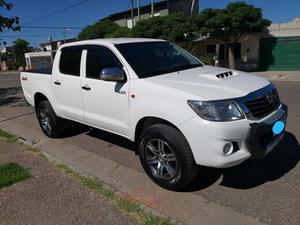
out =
column 115, row 74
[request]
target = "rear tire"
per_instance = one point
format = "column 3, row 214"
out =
column 166, row 157
column 50, row 123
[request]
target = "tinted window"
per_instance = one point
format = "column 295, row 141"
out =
column 100, row 58
column 155, row 58
column 70, row 61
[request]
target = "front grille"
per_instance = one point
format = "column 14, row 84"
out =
column 264, row 105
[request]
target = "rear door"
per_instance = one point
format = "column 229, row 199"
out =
column 106, row 104
column 67, row 83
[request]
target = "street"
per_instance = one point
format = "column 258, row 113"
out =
column 266, row 190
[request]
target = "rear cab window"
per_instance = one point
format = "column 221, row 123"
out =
column 70, row 61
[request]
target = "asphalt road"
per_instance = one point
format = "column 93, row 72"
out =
column 267, row 189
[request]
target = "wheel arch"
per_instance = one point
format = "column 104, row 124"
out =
column 39, row 97
column 148, row 121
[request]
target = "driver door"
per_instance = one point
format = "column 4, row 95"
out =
column 105, row 103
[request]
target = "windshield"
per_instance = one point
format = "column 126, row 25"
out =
column 150, row 59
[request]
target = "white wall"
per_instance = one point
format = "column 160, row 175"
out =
column 289, row 29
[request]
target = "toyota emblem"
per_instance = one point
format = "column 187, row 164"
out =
column 270, row 98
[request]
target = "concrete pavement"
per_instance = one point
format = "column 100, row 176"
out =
column 50, row 197
column 247, row 194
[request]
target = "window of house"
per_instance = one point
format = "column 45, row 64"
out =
column 100, row 58
column 70, row 61
column 211, row 50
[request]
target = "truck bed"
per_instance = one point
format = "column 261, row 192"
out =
column 38, row 80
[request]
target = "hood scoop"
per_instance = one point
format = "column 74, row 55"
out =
column 226, row 75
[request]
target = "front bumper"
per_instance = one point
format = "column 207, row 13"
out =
column 261, row 139
column 255, row 139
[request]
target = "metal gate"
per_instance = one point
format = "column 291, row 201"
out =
column 280, row 54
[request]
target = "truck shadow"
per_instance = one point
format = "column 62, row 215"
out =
column 12, row 97
column 253, row 173
column 112, row 139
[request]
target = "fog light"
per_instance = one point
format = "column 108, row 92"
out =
column 228, row 149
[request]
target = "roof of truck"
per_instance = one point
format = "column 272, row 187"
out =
column 112, row 41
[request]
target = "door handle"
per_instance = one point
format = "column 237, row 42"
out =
column 57, row 82
column 86, row 87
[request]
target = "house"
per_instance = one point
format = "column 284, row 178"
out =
column 52, row 45
column 276, row 48
column 162, row 8
column 6, row 50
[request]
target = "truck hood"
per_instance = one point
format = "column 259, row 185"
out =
column 212, row 83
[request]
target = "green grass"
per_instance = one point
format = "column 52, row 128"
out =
column 11, row 173
column 9, row 137
column 14, row 139
column 127, row 206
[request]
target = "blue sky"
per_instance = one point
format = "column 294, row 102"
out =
column 93, row 10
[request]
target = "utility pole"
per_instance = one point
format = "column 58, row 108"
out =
column 65, row 33
column 192, row 7
column 0, row 55
column 138, row 10
column 152, row 8
column 131, row 9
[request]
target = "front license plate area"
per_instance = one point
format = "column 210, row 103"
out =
column 278, row 127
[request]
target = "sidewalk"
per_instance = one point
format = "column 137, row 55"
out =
column 51, row 197
column 280, row 75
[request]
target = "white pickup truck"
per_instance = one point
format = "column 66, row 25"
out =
column 179, row 112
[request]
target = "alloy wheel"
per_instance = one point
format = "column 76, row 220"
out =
column 161, row 159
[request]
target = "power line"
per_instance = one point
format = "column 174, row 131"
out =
column 28, row 35
column 51, row 14
column 55, row 13
column 48, row 27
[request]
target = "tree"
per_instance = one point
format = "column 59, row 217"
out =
column 120, row 32
column 231, row 24
column 3, row 56
column 172, row 27
column 19, row 48
column 103, row 29
column 6, row 22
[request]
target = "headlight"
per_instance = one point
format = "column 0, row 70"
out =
column 216, row 110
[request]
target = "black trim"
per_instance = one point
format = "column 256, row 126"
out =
column 46, row 71
column 261, row 135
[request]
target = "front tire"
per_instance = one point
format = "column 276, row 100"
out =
column 50, row 123
column 166, row 157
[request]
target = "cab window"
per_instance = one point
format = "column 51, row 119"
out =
column 99, row 58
